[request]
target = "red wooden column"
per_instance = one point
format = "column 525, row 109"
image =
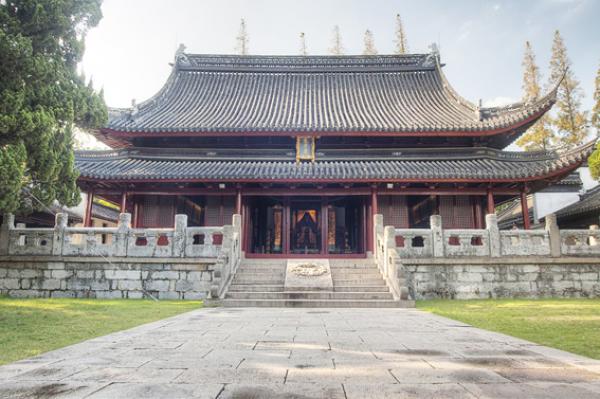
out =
column 525, row 209
column 88, row 209
column 324, row 225
column 374, row 211
column 286, row 225
column 238, row 201
column 491, row 208
column 123, row 202
column 478, row 213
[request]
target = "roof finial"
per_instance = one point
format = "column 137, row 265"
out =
column 134, row 107
column 180, row 57
column 478, row 109
column 434, row 49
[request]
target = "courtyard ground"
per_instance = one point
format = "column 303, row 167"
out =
column 304, row 353
column 29, row 327
column 572, row 325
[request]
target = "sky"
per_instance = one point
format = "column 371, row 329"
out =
column 481, row 42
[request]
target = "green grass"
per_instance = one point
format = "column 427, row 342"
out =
column 29, row 327
column 572, row 325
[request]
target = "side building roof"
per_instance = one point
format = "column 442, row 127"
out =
column 326, row 95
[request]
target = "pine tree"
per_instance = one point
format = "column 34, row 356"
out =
column 336, row 46
column 570, row 121
column 303, row 49
column 369, row 44
column 242, row 39
column 539, row 136
column 42, row 98
column 401, row 43
column 595, row 117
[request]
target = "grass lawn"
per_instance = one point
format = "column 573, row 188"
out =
column 572, row 325
column 29, row 327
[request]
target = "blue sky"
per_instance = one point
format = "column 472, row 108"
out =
column 481, row 41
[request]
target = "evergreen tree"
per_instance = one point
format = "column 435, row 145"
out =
column 336, row 46
column 539, row 136
column 42, row 99
column 401, row 43
column 570, row 121
column 242, row 39
column 369, row 44
column 303, row 49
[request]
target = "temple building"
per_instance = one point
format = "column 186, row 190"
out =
column 308, row 148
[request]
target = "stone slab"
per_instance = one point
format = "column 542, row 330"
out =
column 295, row 279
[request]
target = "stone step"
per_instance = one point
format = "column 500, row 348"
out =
column 309, row 295
column 358, row 279
column 256, row 287
column 317, row 303
column 362, row 273
column 260, row 273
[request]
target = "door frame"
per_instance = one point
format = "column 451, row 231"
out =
column 323, row 219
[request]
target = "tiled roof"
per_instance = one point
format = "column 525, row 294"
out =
column 303, row 94
column 476, row 164
column 589, row 202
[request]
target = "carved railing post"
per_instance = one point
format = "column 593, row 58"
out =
column 61, row 221
column 122, row 234
column 437, row 235
column 389, row 243
column 181, row 222
column 491, row 225
column 8, row 223
column 237, row 228
column 553, row 235
column 378, row 229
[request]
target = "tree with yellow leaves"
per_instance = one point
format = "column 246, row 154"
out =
column 539, row 136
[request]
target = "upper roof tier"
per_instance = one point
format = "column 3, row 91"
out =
column 405, row 95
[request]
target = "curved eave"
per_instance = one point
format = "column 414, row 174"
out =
column 339, row 172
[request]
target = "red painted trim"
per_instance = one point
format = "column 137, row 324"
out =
column 429, row 133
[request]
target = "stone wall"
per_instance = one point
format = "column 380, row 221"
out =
column 89, row 277
column 533, row 277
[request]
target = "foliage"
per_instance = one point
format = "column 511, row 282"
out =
column 567, row 324
column 337, row 47
column 369, row 44
column 540, row 136
column 594, row 163
column 242, row 39
column 42, row 98
column 303, row 49
column 595, row 117
column 570, row 121
column 30, row 327
column 401, row 43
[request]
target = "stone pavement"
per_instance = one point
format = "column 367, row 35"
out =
column 303, row 353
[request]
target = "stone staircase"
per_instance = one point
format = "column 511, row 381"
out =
column 356, row 283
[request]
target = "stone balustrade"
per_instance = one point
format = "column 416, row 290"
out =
column 437, row 242
column 121, row 241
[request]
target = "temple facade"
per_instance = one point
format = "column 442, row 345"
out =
column 307, row 149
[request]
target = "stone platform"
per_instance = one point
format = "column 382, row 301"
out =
column 303, row 353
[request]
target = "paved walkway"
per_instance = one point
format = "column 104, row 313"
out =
column 303, row 353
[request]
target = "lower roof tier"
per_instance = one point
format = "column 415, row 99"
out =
column 439, row 165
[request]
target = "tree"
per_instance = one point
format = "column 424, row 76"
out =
column 42, row 99
column 336, row 46
column 303, row 49
column 369, row 44
column 570, row 121
column 539, row 136
column 242, row 39
column 401, row 43
column 594, row 160
column 595, row 117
